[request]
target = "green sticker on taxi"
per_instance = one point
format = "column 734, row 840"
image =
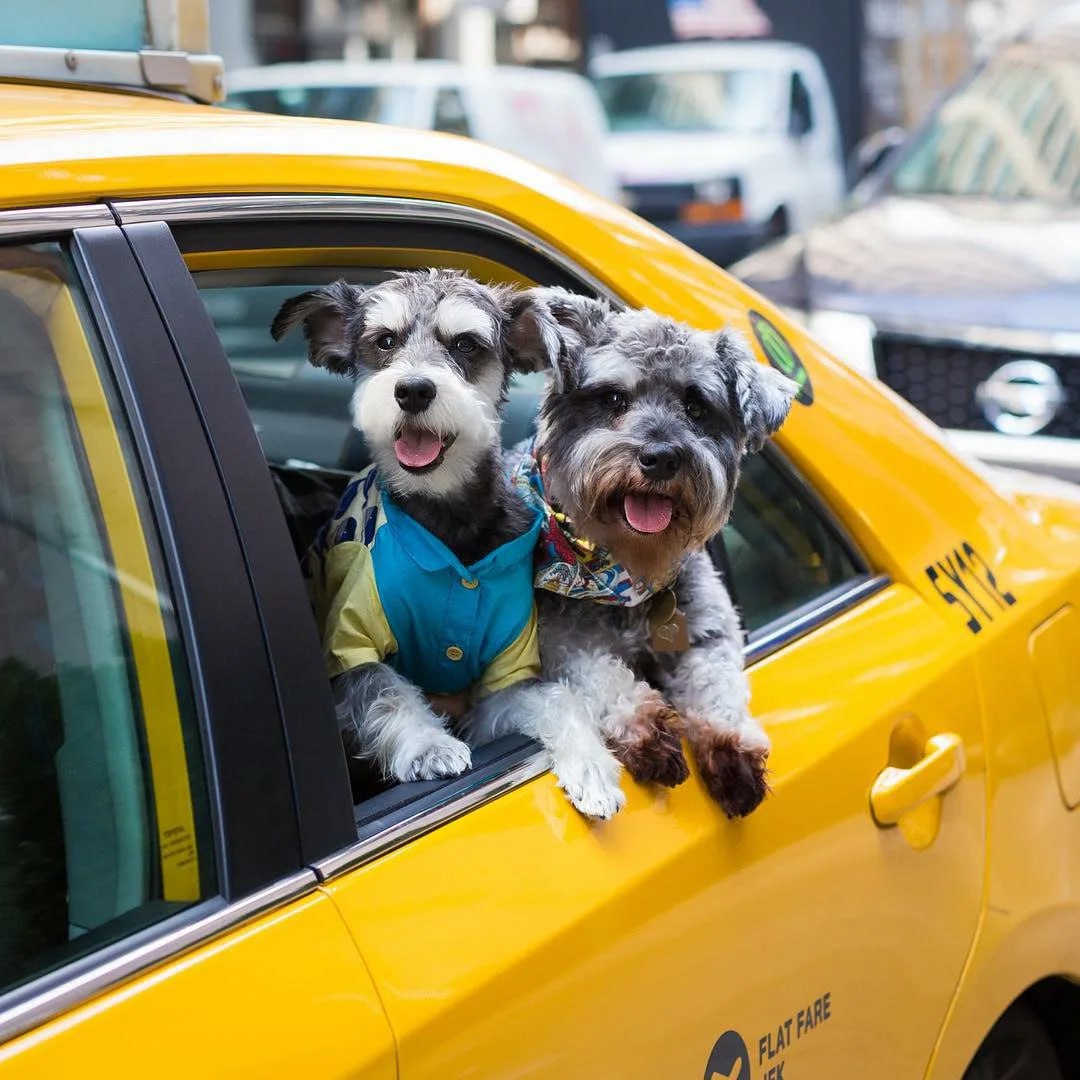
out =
column 782, row 356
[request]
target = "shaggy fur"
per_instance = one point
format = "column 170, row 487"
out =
column 623, row 383
column 462, row 339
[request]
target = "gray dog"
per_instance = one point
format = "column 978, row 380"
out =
column 642, row 430
column 422, row 579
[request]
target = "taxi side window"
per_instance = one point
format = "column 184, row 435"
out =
column 781, row 552
column 103, row 801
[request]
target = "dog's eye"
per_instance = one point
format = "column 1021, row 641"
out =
column 465, row 344
column 694, row 406
column 619, row 400
column 386, row 341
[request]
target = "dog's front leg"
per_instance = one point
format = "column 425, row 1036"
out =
column 385, row 719
column 555, row 716
column 708, row 687
column 635, row 720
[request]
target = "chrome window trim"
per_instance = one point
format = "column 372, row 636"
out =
column 33, row 1008
column 784, row 631
column 48, row 220
column 486, row 789
column 273, row 208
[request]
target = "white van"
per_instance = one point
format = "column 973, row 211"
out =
column 550, row 117
column 723, row 144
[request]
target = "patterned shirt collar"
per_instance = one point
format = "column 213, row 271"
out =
column 570, row 565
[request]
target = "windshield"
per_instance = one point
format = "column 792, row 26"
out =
column 704, row 101
column 378, row 104
column 1011, row 133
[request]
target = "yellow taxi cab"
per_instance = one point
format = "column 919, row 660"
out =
column 189, row 886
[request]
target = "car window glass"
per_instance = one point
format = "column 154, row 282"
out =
column 781, row 552
column 374, row 104
column 802, row 110
column 744, row 101
column 1011, row 133
column 103, row 802
column 450, row 114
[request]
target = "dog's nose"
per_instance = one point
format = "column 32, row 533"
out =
column 414, row 395
column 660, row 461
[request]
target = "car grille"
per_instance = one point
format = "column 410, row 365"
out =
column 658, row 202
column 941, row 378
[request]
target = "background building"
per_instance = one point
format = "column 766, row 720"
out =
column 888, row 60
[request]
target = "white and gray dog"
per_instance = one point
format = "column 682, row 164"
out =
column 432, row 352
column 642, row 430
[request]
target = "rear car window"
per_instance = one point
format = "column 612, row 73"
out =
column 782, row 551
column 104, row 816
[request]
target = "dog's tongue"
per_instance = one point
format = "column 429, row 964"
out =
column 416, row 449
column 647, row 513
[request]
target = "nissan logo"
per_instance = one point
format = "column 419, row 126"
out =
column 1021, row 397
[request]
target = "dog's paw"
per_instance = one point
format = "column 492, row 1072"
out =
column 652, row 751
column 433, row 757
column 734, row 773
column 592, row 787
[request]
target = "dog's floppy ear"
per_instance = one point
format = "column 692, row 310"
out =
column 764, row 395
column 533, row 340
column 552, row 329
column 329, row 316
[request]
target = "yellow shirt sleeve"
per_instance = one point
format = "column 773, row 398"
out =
column 351, row 619
column 520, row 660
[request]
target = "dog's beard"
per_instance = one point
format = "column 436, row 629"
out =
column 592, row 481
column 464, row 421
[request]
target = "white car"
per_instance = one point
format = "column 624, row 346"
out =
column 550, row 117
column 724, row 145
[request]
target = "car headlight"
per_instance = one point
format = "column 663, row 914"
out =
column 720, row 190
column 848, row 336
column 715, row 200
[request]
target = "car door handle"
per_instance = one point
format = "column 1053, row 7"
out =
column 897, row 792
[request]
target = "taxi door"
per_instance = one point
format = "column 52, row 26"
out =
column 807, row 941
column 508, row 936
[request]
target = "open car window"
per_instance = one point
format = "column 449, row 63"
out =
column 781, row 556
column 782, row 551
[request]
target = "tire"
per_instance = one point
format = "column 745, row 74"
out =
column 1018, row 1048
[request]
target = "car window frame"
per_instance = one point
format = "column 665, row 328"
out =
column 218, row 223
column 256, row 854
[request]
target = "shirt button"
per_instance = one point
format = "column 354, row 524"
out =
column 454, row 653
column 470, row 584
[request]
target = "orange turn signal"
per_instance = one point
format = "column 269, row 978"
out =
column 706, row 213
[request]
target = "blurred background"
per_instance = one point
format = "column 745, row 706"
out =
column 902, row 176
column 887, row 60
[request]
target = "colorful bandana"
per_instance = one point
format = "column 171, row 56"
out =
column 568, row 565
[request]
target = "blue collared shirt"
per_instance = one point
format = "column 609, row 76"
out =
column 386, row 589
